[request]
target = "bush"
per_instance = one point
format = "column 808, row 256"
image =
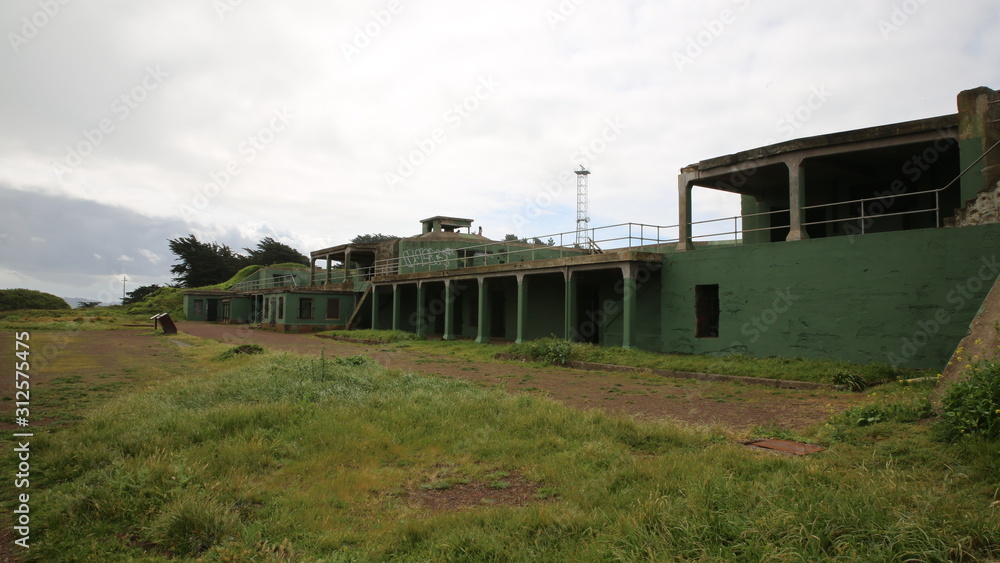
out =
column 972, row 406
column 905, row 411
column 550, row 350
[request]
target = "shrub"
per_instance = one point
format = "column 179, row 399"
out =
column 550, row 350
column 972, row 406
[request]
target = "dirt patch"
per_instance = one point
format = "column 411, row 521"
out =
column 86, row 367
column 512, row 490
column 641, row 395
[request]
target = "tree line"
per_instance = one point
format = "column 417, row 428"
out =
column 208, row 263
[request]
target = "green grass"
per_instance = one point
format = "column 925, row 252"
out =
column 278, row 457
column 72, row 320
column 547, row 350
column 795, row 369
column 381, row 336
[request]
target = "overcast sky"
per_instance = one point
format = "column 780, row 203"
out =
column 125, row 123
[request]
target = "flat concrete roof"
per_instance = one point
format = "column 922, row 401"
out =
column 944, row 122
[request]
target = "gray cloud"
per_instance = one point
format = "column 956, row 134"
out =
column 563, row 69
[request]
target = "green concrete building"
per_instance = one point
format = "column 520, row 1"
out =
column 874, row 245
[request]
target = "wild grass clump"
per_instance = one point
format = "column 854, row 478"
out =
column 549, row 351
column 971, row 406
column 381, row 336
column 192, row 523
column 241, row 350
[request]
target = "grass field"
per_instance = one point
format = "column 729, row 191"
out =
column 281, row 457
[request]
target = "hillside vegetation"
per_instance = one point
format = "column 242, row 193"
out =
column 15, row 299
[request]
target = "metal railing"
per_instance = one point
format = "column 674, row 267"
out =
column 620, row 237
column 868, row 210
column 286, row 280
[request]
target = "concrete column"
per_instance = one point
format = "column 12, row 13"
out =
column 312, row 270
column 482, row 331
column 796, row 199
column 396, row 305
column 347, row 265
column 684, row 187
column 421, row 311
column 375, row 304
column 522, row 306
column 570, row 317
column 329, row 267
column 449, row 312
column 628, row 306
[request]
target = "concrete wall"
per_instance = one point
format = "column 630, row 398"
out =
column 900, row 297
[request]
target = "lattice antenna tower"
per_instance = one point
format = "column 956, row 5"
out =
column 582, row 205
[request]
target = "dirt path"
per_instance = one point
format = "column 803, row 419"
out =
column 740, row 407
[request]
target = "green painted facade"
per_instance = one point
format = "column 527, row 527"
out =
column 903, row 297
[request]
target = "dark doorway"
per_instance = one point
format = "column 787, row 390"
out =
column 213, row 309
column 706, row 304
column 498, row 314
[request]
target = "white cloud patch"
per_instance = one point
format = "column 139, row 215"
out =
column 125, row 258
column 153, row 257
column 181, row 137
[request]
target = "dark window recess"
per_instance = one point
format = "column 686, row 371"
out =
column 305, row 308
column 706, row 306
column 333, row 308
column 281, row 307
column 199, row 307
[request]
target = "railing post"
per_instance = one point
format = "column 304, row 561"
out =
column 862, row 216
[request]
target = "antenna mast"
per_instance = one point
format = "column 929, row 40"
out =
column 582, row 205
